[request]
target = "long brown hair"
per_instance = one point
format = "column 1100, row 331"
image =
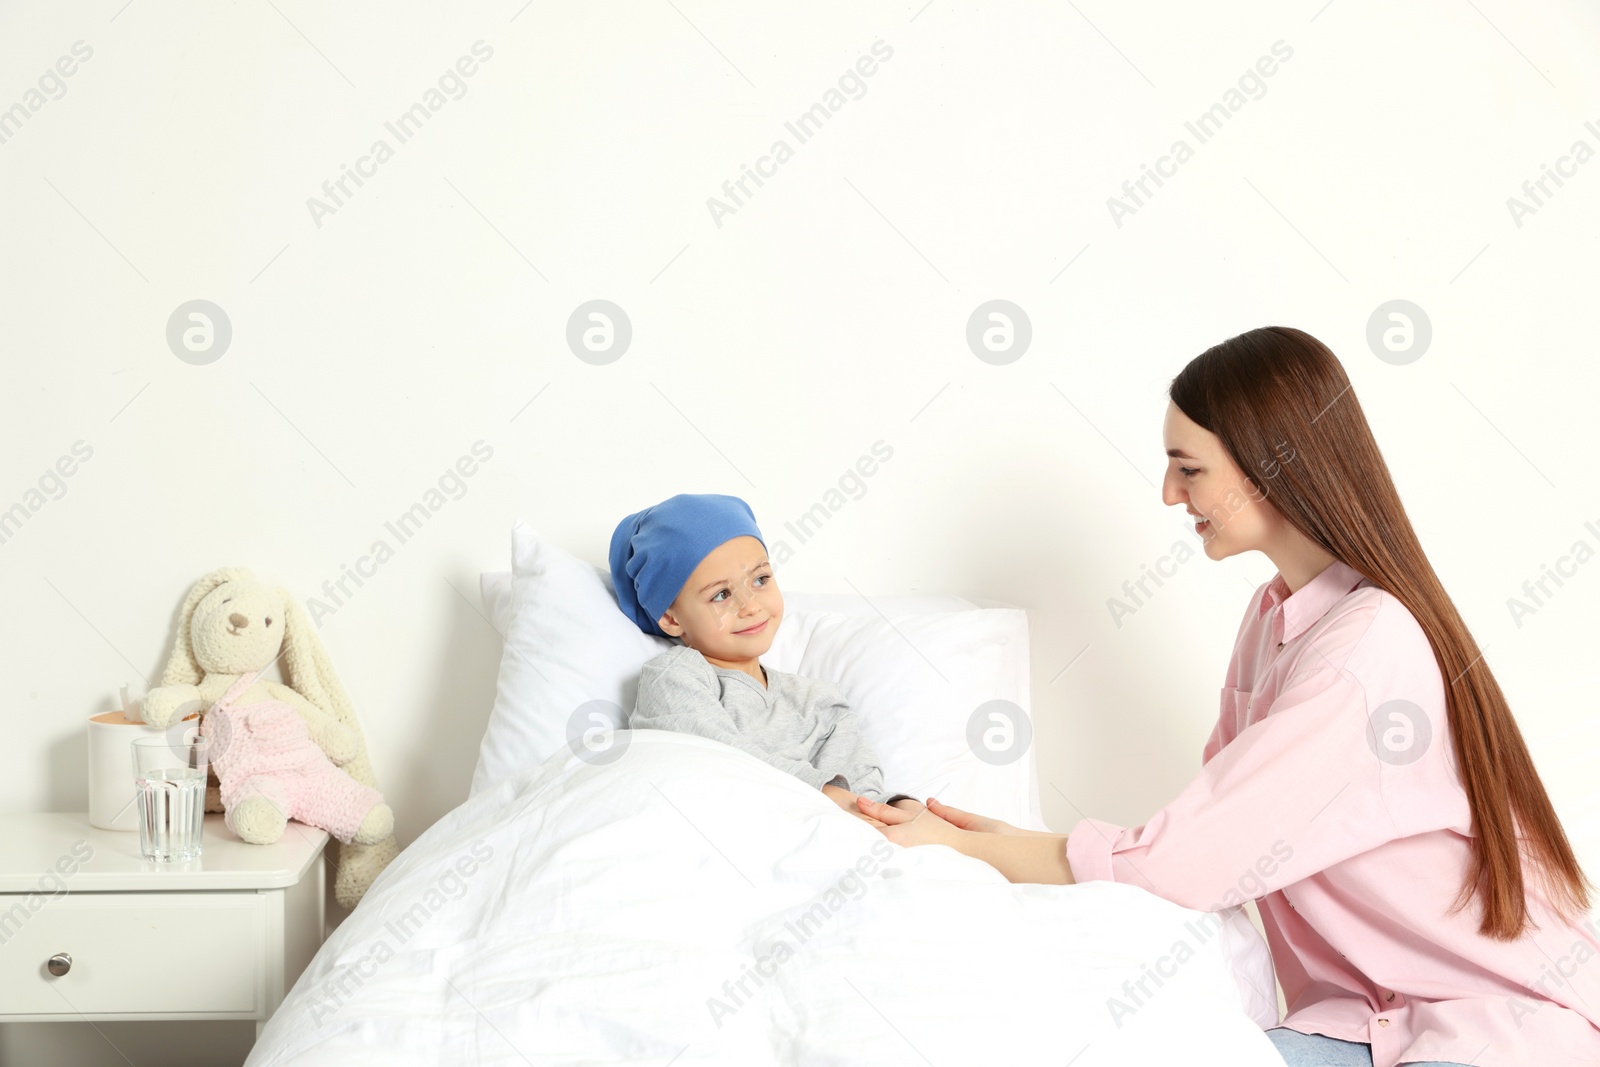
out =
column 1281, row 403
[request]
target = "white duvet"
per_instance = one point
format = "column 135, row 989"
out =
column 687, row 903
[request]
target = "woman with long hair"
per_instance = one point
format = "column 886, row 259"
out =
column 1366, row 783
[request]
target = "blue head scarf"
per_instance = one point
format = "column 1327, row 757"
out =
column 654, row 551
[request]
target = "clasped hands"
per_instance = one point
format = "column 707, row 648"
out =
column 907, row 822
column 1020, row 855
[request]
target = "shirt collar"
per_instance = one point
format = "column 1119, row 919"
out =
column 1302, row 608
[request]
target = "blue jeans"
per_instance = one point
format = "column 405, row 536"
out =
column 1314, row 1050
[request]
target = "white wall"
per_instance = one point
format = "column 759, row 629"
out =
column 375, row 345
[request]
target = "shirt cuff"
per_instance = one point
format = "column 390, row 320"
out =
column 1089, row 850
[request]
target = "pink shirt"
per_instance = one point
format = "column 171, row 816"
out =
column 1329, row 794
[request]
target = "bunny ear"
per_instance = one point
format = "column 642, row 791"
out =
column 182, row 667
column 306, row 667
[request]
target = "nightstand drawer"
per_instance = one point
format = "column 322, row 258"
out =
column 133, row 952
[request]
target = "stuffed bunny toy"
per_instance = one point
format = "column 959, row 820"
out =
column 269, row 771
column 280, row 751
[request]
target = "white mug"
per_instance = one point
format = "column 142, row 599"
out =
column 112, row 797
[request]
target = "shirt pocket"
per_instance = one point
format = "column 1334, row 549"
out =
column 1236, row 706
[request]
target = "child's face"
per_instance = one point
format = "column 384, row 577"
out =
column 732, row 590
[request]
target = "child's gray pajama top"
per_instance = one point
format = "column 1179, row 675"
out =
column 800, row 725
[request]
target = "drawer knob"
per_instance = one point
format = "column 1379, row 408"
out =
column 60, row 964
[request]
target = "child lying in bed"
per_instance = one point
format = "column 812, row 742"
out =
column 695, row 568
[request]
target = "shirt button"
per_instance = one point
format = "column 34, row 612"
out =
column 1390, row 997
column 1383, row 1022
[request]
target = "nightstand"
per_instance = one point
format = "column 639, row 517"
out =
column 90, row 930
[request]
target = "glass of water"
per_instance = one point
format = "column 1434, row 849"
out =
column 169, row 774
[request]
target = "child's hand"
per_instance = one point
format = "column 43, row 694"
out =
column 847, row 801
column 840, row 796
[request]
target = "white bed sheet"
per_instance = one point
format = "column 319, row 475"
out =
column 582, row 913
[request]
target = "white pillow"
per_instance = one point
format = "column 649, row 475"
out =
column 916, row 670
column 917, row 681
